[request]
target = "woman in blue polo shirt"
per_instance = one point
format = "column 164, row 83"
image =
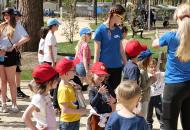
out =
column 108, row 47
column 176, row 98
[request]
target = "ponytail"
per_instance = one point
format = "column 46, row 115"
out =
column 182, row 15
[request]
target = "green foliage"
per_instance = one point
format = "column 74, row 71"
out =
column 26, row 75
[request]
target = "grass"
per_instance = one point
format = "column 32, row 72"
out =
column 26, row 75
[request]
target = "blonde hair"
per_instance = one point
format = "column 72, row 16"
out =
column 182, row 16
column 83, row 39
column 127, row 90
column 143, row 64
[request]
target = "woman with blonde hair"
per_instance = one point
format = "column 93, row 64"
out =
column 11, row 36
column 176, row 97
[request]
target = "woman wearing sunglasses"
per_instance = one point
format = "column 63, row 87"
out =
column 11, row 36
column 108, row 47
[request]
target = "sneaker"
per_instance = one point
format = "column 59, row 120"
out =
column 14, row 108
column 4, row 108
column 21, row 95
column 8, row 99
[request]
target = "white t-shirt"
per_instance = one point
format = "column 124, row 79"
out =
column 42, row 118
column 19, row 33
column 157, row 88
column 41, row 47
column 50, row 40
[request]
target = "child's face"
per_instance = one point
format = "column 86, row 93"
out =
column 124, row 35
column 71, row 73
column 152, row 69
column 88, row 37
column 98, row 79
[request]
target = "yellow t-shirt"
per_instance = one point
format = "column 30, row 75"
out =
column 66, row 94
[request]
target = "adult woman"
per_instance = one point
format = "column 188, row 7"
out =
column 176, row 98
column 11, row 36
column 108, row 47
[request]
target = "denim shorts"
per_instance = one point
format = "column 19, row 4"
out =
column 80, row 70
column 69, row 125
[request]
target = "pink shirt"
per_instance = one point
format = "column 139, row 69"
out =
column 79, row 54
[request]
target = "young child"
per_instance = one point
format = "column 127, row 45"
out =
column 143, row 61
column 68, row 103
column 83, row 52
column 128, row 94
column 133, row 49
column 100, row 99
column 124, row 32
column 156, row 93
column 43, row 33
column 45, row 78
column 50, row 48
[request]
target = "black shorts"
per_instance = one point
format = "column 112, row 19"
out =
column 18, row 69
column 10, row 59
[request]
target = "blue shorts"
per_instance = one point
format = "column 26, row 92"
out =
column 80, row 70
column 69, row 125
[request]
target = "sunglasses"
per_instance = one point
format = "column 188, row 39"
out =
column 120, row 16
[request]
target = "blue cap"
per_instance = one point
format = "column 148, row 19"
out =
column 52, row 21
column 144, row 54
column 85, row 31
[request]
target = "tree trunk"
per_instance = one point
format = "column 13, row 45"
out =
column 32, row 20
column 113, row 2
column 60, row 3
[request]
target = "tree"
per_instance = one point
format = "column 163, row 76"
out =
column 32, row 11
column 71, row 25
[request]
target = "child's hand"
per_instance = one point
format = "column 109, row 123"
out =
column 102, row 89
column 111, row 101
column 83, row 111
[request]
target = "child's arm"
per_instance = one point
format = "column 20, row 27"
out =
column 66, row 109
column 85, row 62
column 123, row 53
column 27, row 117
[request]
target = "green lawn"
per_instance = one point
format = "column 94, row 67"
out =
column 26, row 75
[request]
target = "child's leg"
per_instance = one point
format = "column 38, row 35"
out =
column 158, row 109
column 69, row 125
column 150, row 113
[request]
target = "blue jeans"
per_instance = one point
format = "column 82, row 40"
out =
column 80, row 70
column 69, row 125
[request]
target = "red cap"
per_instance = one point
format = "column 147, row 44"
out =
column 99, row 68
column 133, row 48
column 42, row 73
column 64, row 65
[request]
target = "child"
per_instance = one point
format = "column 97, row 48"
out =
column 43, row 33
column 100, row 100
column 50, row 49
column 45, row 78
column 133, row 49
column 70, row 111
column 156, row 92
column 128, row 94
column 143, row 61
column 124, row 32
column 83, row 52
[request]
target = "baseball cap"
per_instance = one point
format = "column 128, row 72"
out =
column 85, row 30
column 133, row 48
column 43, row 72
column 17, row 13
column 53, row 21
column 8, row 10
column 64, row 65
column 99, row 68
column 144, row 54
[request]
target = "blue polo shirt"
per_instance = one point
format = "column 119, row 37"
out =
column 176, row 71
column 131, row 71
column 117, row 122
column 110, row 45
